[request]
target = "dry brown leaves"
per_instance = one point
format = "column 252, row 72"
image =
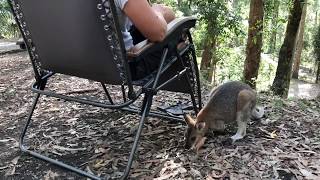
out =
column 283, row 145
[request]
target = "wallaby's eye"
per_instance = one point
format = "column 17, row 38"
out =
column 193, row 139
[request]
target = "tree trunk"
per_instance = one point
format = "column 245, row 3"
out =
column 206, row 61
column 299, row 43
column 274, row 22
column 254, row 43
column 318, row 72
column 281, row 82
column 236, row 40
column 235, row 4
column 316, row 4
column 206, row 55
column 316, row 19
column 214, row 80
column 213, row 63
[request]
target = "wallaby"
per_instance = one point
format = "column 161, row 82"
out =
column 232, row 101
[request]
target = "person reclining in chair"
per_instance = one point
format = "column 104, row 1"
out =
column 139, row 21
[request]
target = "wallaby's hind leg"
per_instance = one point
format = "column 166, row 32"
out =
column 242, row 127
column 244, row 107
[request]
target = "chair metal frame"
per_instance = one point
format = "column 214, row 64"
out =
column 149, row 88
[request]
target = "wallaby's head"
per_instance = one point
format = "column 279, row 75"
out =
column 195, row 133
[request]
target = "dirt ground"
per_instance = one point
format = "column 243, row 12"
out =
column 303, row 89
column 285, row 144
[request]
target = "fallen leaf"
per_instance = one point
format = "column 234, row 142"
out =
column 195, row 172
column 5, row 140
column 158, row 131
column 3, row 167
column 51, row 175
column 167, row 176
column 220, row 175
column 273, row 134
column 67, row 149
column 11, row 171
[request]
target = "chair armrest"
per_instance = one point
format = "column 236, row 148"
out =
column 174, row 29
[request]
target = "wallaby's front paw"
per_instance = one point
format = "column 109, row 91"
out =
column 199, row 144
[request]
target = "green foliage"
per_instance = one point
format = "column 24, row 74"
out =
column 316, row 44
column 198, row 35
column 269, row 8
column 267, row 71
column 230, row 64
column 218, row 17
column 181, row 7
column 311, row 28
column 304, row 104
column 227, row 22
column 8, row 27
column 275, row 19
column 278, row 103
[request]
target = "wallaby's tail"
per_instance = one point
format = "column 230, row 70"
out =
column 257, row 112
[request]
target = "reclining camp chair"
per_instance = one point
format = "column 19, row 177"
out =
column 82, row 38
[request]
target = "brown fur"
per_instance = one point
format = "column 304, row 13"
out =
column 232, row 101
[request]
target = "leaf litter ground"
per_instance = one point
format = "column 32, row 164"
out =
column 285, row 144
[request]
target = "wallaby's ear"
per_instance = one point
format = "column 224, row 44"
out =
column 191, row 122
column 200, row 126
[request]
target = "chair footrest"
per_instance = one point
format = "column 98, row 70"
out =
column 176, row 110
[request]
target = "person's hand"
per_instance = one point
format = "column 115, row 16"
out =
column 166, row 11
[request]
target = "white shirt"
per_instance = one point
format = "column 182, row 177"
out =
column 125, row 23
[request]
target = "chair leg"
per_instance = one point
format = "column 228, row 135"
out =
column 107, row 93
column 187, row 78
column 194, row 57
column 24, row 131
column 193, row 100
column 24, row 149
column 145, row 112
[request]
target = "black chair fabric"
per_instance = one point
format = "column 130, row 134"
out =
column 70, row 38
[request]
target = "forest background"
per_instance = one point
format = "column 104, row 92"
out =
column 264, row 43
